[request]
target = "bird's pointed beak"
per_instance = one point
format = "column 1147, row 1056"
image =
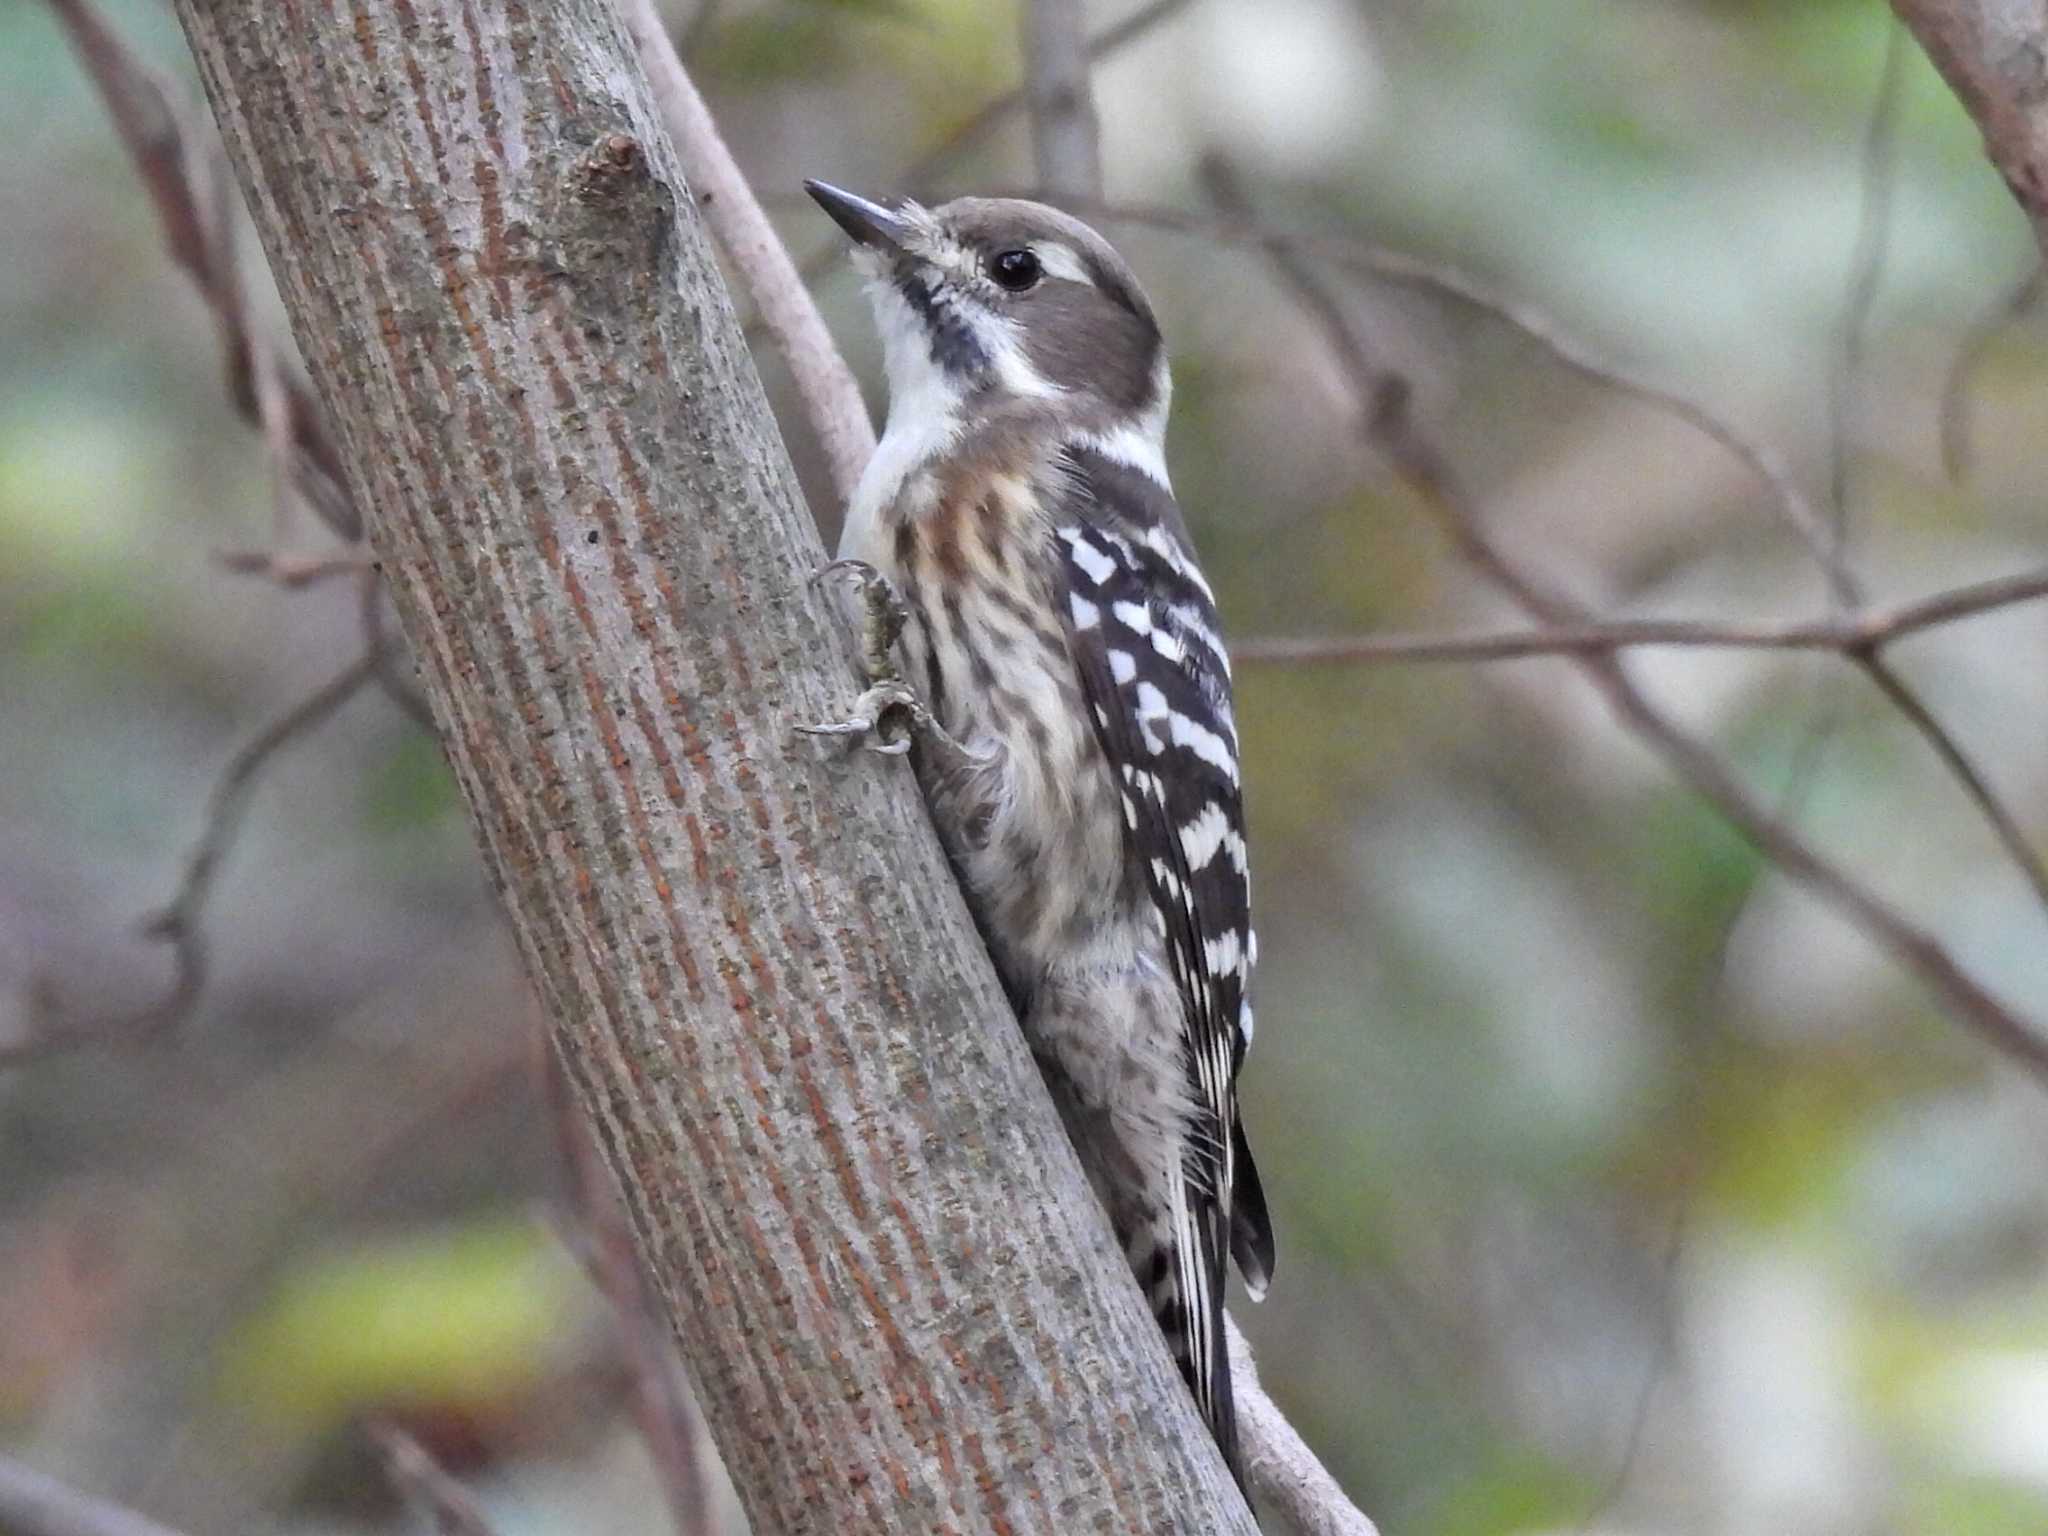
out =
column 870, row 224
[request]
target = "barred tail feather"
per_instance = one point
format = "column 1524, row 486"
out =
column 1183, row 1274
column 1251, row 1229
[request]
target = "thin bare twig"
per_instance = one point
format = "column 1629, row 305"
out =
column 426, row 1485
column 1957, row 387
column 388, row 657
column 1289, row 1479
column 1065, row 137
column 195, row 205
column 1405, row 270
column 1388, row 425
column 33, row 1503
column 1821, row 536
column 1866, row 276
column 1870, row 629
column 273, row 412
column 293, row 572
column 176, row 924
column 1963, row 768
column 229, row 802
column 919, row 178
column 838, row 416
column 919, row 174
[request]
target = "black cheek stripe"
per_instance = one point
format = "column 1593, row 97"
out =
column 955, row 349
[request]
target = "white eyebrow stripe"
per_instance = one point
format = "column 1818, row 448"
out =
column 1058, row 260
column 1136, row 448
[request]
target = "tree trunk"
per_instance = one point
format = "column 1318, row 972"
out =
column 902, row 1306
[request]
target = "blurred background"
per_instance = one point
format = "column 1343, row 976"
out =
column 1620, row 1187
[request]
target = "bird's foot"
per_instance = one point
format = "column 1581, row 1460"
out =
column 889, row 718
column 882, row 617
column 885, row 719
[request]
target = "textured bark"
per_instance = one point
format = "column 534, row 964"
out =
column 902, row 1307
column 1994, row 55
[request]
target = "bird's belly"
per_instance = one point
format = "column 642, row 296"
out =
column 1033, row 821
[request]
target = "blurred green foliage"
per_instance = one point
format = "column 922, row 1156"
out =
column 463, row 1317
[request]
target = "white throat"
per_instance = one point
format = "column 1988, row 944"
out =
column 924, row 420
column 927, row 409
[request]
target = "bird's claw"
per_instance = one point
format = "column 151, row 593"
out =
column 889, row 718
column 882, row 616
column 873, row 714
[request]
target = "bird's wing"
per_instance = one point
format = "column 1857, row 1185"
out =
column 1157, row 683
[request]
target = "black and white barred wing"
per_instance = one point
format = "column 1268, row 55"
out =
column 1157, row 683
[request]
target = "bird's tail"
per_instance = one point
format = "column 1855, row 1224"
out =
column 1180, row 1263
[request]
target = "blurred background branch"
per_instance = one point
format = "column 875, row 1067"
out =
column 1287, row 1479
column 196, row 206
column 424, row 1484
column 1870, row 629
column 179, row 924
column 1387, row 422
column 836, row 416
column 1064, row 137
column 32, row 1504
column 564, row 363
column 1994, row 55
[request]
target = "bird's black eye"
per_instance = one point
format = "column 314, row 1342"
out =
column 1015, row 269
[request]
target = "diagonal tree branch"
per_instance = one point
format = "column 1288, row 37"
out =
column 1994, row 55
column 1285, row 1473
column 902, row 1307
column 1388, row 425
column 426, row 1486
column 1279, row 1462
column 34, row 1504
column 1867, row 630
column 838, row 415
column 1823, row 537
column 196, row 210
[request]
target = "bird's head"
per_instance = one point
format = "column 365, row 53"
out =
column 990, row 304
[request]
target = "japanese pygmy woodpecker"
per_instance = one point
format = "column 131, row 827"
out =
column 1061, row 634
